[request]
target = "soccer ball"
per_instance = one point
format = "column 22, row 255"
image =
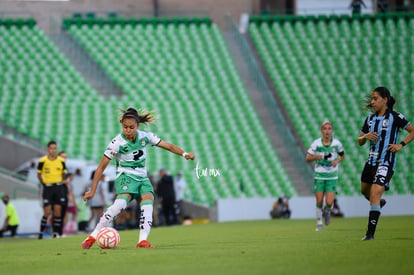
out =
column 108, row 238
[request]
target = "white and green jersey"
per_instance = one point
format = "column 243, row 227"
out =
column 131, row 156
column 323, row 168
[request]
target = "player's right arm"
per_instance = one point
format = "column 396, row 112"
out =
column 310, row 158
column 39, row 177
column 110, row 151
column 311, row 154
column 368, row 136
column 365, row 133
column 361, row 139
column 98, row 175
column 39, row 171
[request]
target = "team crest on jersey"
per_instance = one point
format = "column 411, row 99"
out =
column 385, row 123
column 125, row 187
column 143, row 142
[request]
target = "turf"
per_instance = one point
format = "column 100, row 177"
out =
column 254, row 247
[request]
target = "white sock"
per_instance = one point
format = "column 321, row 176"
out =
column 108, row 216
column 145, row 222
column 318, row 216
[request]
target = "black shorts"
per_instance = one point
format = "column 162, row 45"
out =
column 379, row 174
column 66, row 194
column 54, row 194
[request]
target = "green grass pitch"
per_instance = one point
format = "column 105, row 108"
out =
column 253, row 247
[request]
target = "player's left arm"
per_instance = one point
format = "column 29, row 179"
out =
column 341, row 156
column 406, row 140
column 175, row 149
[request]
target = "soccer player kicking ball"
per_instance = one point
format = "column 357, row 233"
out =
column 129, row 149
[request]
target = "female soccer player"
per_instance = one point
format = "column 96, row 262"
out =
column 327, row 152
column 129, row 149
column 381, row 130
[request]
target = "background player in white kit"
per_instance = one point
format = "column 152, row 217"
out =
column 327, row 152
column 129, row 149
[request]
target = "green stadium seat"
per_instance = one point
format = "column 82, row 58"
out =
column 212, row 80
column 323, row 69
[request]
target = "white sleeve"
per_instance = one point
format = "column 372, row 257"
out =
column 340, row 148
column 153, row 139
column 112, row 149
column 312, row 149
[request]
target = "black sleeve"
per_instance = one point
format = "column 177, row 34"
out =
column 40, row 165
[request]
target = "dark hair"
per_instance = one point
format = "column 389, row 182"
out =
column 143, row 117
column 68, row 175
column 52, row 142
column 93, row 174
column 384, row 93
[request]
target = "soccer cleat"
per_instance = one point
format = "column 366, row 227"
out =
column 318, row 227
column 368, row 238
column 40, row 236
column 327, row 218
column 88, row 242
column 144, row 244
column 383, row 203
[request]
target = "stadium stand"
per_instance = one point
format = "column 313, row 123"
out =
column 179, row 67
column 322, row 67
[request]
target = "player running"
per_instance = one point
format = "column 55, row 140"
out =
column 327, row 152
column 381, row 130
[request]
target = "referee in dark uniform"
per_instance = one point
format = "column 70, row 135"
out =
column 381, row 130
column 50, row 171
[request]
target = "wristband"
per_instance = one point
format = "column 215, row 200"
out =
column 185, row 154
column 403, row 143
